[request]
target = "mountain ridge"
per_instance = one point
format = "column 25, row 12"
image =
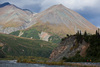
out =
column 14, row 19
column 7, row 3
column 57, row 20
column 4, row 4
column 59, row 14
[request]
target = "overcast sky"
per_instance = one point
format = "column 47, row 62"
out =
column 90, row 9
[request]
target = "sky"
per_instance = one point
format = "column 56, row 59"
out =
column 89, row 9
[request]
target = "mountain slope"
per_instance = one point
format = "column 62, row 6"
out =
column 13, row 18
column 49, row 25
column 57, row 21
column 64, row 20
column 16, row 46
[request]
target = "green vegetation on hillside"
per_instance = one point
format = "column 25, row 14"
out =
column 31, row 33
column 92, row 53
column 16, row 46
column 2, row 55
column 55, row 39
column 94, row 40
column 15, row 33
column 34, row 34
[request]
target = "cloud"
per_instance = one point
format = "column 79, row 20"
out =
column 79, row 4
column 98, row 27
column 32, row 4
column 72, row 4
column 33, row 7
column 44, row 4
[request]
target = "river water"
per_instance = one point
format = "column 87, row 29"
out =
column 13, row 63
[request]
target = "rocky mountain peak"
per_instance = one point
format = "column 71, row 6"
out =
column 4, row 4
column 57, row 7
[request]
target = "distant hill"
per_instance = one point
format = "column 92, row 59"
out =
column 16, row 46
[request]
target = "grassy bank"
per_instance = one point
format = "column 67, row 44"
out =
column 54, row 63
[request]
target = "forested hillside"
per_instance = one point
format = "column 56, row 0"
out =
column 16, row 46
column 78, row 48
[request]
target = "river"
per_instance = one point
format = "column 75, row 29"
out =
column 13, row 63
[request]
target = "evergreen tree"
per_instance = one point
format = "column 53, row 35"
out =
column 85, row 34
column 96, row 32
column 77, row 33
column 78, row 36
column 67, row 35
column 80, row 33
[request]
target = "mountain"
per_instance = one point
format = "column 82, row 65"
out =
column 18, row 46
column 61, row 20
column 13, row 18
column 50, row 25
column 57, row 21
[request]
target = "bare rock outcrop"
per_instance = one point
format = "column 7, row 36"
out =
column 44, row 36
column 68, row 48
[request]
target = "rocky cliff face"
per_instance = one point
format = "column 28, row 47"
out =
column 68, row 48
column 13, row 18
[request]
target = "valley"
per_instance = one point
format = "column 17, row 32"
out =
column 55, row 36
